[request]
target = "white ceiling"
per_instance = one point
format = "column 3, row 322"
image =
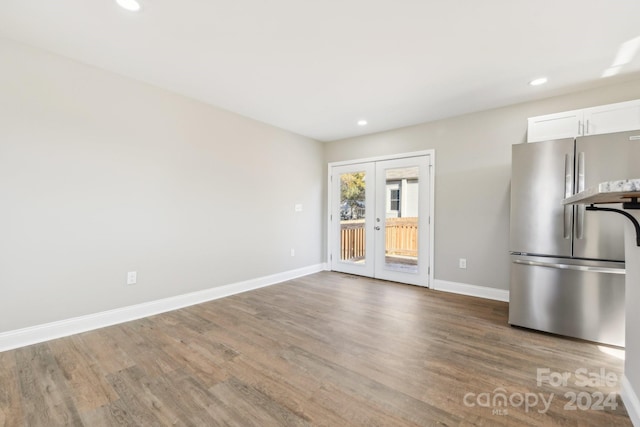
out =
column 317, row 67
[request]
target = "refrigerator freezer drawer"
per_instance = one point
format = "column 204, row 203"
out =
column 581, row 299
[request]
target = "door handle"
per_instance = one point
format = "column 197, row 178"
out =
column 377, row 227
column 581, row 208
column 581, row 171
column 586, row 268
column 568, row 191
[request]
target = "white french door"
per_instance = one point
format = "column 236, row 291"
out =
column 379, row 219
column 352, row 219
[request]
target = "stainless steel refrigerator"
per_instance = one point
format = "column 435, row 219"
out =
column 567, row 264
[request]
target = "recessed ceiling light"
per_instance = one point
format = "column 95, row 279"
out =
column 362, row 122
column 131, row 5
column 538, row 82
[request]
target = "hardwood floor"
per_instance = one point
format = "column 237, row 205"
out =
column 327, row 349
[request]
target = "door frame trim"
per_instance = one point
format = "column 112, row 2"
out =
column 432, row 172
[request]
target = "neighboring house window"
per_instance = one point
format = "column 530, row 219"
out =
column 394, row 199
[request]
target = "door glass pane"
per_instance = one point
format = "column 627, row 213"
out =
column 401, row 222
column 352, row 217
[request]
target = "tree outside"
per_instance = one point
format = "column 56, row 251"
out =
column 352, row 187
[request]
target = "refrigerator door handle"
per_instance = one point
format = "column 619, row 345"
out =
column 568, row 191
column 572, row 267
column 580, row 208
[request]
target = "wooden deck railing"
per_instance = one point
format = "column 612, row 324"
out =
column 401, row 237
column 352, row 240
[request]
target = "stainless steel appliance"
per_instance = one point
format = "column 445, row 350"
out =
column 567, row 263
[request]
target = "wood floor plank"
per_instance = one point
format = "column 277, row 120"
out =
column 197, row 405
column 46, row 399
column 115, row 414
column 137, row 400
column 11, row 413
column 368, row 391
column 141, row 346
column 256, row 407
column 327, row 349
column 105, row 351
column 293, row 390
column 87, row 385
column 203, row 365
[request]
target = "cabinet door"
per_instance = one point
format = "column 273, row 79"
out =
column 555, row 126
column 620, row 117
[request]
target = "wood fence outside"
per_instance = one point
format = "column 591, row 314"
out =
column 352, row 240
column 401, row 237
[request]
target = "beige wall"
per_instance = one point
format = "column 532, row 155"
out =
column 100, row 175
column 472, row 181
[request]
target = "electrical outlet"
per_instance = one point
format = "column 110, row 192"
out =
column 298, row 207
column 293, row 252
column 462, row 263
column 132, row 277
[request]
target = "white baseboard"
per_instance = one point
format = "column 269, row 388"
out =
column 631, row 401
column 40, row 333
column 471, row 290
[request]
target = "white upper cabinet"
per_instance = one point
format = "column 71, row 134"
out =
column 554, row 126
column 611, row 118
column 620, row 117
